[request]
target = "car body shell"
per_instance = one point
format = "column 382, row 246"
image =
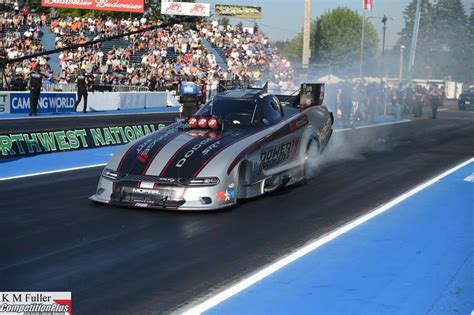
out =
column 182, row 168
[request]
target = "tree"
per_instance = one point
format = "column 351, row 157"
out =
column 426, row 34
column 451, row 44
column 240, row 26
column 443, row 46
column 338, row 39
column 293, row 49
column 470, row 51
column 335, row 39
column 224, row 21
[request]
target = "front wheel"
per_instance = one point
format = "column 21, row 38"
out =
column 312, row 159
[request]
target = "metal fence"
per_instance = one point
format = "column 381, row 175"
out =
column 71, row 87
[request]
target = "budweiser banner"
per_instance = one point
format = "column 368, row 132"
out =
column 108, row 5
column 368, row 5
column 239, row 11
column 185, row 8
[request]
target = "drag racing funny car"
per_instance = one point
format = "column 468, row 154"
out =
column 241, row 144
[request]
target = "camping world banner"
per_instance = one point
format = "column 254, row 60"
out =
column 108, row 5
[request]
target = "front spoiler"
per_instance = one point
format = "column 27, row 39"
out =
column 181, row 207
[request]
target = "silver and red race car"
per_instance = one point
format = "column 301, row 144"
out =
column 241, row 144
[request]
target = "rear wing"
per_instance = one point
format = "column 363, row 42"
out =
column 226, row 85
column 310, row 94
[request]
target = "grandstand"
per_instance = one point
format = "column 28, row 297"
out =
column 162, row 55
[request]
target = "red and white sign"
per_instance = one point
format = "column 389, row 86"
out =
column 368, row 5
column 107, row 5
column 185, row 8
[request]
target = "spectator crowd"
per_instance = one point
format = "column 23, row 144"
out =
column 155, row 59
column 21, row 35
column 159, row 59
column 355, row 101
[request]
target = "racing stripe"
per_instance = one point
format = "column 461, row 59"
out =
column 146, row 152
column 129, row 157
column 192, row 157
column 185, row 146
column 226, row 145
column 140, row 154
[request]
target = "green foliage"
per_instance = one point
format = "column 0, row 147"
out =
column 224, row 21
column 293, row 49
column 338, row 39
column 444, row 49
column 451, row 43
column 335, row 39
column 425, row 37
column 240, row 26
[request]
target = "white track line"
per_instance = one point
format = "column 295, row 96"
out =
column 53, row 172
column 313, row 245
column 96, row 165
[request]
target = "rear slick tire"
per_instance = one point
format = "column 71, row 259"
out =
column 312, row 159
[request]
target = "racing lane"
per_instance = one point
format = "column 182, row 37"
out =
column 118, row 260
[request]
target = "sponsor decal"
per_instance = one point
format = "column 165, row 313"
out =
column 4, row 103
column 278, row 154
column 58, row 303
column 185, row 8
column 190, row 152
column 299, row 123
column 144, row 149
column 71, row 139
column 282, row 132
column 226, row 196
column 109, row 5
column 47, row 102
column 144, row 191
column 239, row 11
column 211, row 147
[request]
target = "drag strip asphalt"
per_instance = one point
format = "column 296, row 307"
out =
column 121, row 260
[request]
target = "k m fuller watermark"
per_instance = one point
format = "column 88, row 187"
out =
column 38, row 303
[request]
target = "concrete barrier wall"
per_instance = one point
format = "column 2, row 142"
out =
column 56, row 102
column 99, row 101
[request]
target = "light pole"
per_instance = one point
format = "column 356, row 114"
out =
column 306, row 33
column 414, row 39
column 362, row 47
column 400, row 77
column 384, row 22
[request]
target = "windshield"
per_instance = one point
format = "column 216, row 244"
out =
column 233, row 111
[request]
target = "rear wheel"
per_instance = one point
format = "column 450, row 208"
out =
column 312, row 159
